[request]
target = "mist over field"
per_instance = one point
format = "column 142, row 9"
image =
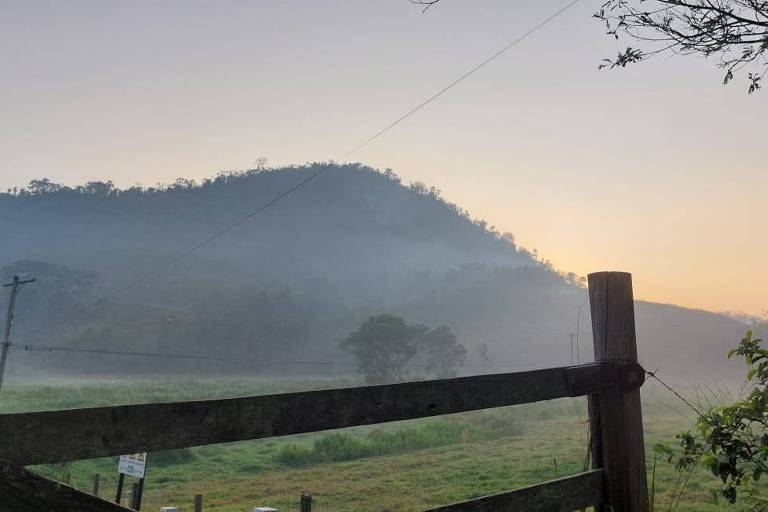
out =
column 280, row 291
column 404, row 321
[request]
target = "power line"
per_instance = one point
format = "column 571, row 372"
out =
column 463, row 77
column 224, row 231
column 285, row 362
column 375, row 136
column 279, row 197
column 166, row 355
column 204, row 357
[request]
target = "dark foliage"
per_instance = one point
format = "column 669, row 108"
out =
column 732, row 439
column 733, row 31
column 384, row 345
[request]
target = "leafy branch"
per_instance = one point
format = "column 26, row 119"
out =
column 733, row 31
column 732, row 440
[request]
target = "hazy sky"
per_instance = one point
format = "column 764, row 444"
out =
column 657, row 169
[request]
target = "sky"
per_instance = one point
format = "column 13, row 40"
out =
column 656, row 169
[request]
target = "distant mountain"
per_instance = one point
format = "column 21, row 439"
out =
column 293, row 280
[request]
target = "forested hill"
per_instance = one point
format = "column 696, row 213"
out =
column 347, row 226
column 292, row 281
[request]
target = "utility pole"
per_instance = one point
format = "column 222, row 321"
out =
column 571, row 337
column 578, row 329
column 14, row 285
column 575, row 351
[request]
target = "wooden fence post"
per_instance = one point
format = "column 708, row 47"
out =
column 139, row 494
column 119, row 492
column 134, row 495
column 615, row 416
column 96, row 480
column 306, row 502
column 198, row 503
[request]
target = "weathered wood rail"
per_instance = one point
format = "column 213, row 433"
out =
column 612, row 383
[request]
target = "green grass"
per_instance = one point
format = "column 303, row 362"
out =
column 450, row 430
column 400, row 466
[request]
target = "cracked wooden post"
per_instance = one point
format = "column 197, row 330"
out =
column 615, row 416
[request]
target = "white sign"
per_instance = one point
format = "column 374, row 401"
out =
column 132, row 465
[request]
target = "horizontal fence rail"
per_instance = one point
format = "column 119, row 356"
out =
column 563, row 494
column 60, row 436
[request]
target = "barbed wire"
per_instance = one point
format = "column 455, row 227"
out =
column 653, row 375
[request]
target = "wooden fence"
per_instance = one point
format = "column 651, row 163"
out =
column 612, row 382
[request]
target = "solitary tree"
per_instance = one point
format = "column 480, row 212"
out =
column 384, row 345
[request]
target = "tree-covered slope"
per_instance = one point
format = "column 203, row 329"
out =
column 291, row 282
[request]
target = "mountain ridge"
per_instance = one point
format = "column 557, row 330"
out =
column 299, row 276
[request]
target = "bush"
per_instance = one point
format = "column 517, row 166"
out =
column 294, row 455
column 169, row 457
column 344, row 446
column 337, row 447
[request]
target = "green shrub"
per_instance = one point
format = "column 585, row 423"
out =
column 340, row 446
column 169, row 457
column 294, row 455
column 336, row 447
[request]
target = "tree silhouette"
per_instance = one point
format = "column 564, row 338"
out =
column 384, row 345
column 734, row 31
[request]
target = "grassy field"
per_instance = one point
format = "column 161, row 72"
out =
column 395, row 467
